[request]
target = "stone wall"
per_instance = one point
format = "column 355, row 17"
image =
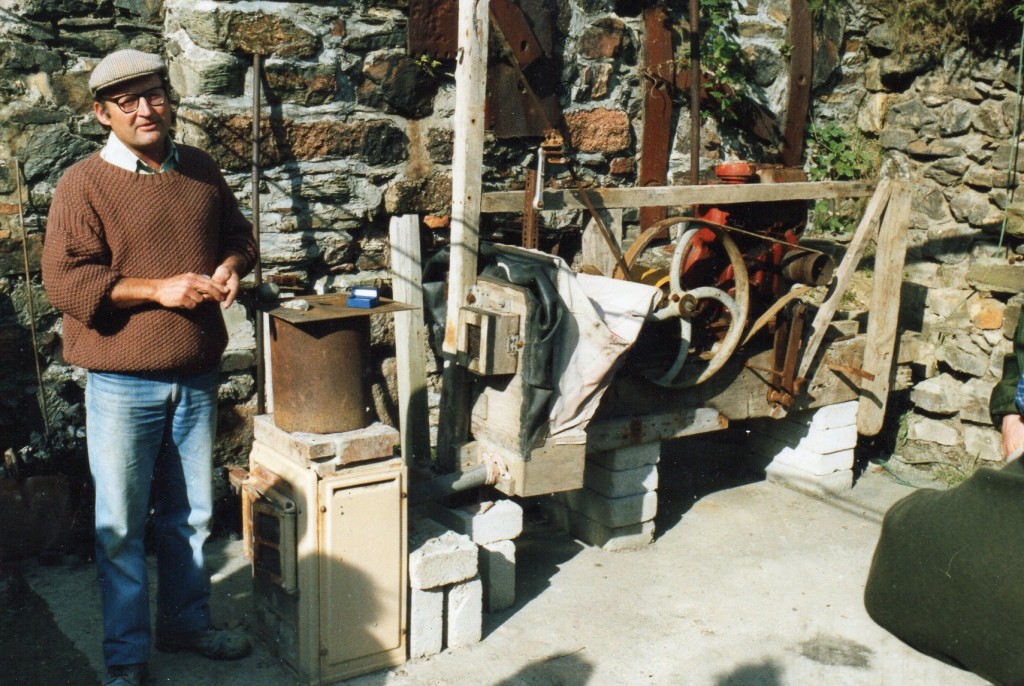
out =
column 355, row 130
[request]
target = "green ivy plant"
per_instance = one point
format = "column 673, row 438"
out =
column 720, row 60
column 835, row 154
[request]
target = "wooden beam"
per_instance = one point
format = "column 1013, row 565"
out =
column 885, row 310
column 410, row 343
column 617, row 433
column 678, row 196
column 467, row 171
column 467, row 164
column 594, row 250
column 841, row 281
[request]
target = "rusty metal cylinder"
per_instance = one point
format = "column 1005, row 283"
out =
column 812, row 268
column 320, row 373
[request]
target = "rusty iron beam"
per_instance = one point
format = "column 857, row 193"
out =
column 694, row 92
column 655, row 143
column 522, row 89
column 801, row 37
column 531, row 235
column 433, row 28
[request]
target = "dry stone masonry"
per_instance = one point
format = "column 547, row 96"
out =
column 354, row 130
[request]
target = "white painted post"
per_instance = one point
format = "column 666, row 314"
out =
column 407, row 285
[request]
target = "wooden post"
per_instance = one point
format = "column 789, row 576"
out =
column 407, row 285
column 844, row 273
column 594, row 248
column 885, row 310
column 467, row 170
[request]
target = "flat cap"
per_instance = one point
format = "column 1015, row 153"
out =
column 124, row 65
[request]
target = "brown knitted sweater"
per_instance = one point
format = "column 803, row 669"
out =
column 106, row 223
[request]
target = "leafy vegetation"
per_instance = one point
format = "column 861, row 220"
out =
column 933, row 26
column 720, row 60
column 835, row 154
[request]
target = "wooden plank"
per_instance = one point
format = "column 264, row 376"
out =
column 996, row 276
column 467, row 171
column 410, row 343
column 841, row 280
column 467, row 164
column 594, row 248
column 617, row 433
column 885, row 309
column 678, row 196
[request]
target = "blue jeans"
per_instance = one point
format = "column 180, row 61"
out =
column 150, row 439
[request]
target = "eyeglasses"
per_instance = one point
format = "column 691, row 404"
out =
column 129, row 102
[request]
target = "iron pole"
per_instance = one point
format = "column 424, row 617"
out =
column 261, row 401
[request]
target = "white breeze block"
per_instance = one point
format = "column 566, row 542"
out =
column 498, row 572
column 594, row 533
column 614, row 512
column 465, row 614
column 805, row 482
column 816, row 463
column 426, row 621
column 437, row 556
column 612, row 484
column 630, row 457
column 828, row 417
column 813, row 439
column 485, row 522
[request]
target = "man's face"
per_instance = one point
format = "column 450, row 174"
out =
column 144, row 129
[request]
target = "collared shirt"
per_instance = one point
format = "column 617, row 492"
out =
column 120, row 155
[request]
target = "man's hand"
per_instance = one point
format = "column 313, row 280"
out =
column 1013, row 434
column 184, row 291
column 226, row 275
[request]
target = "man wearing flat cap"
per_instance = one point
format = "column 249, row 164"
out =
column 144, row 244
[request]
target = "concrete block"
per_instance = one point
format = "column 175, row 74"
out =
column 437, row 556
column 498, row 573
column 465, row 620
column 828, row 417
column 617, row 484
column 426, row 622
column 614, row 512
column 805, row 482
column 556, row 510
column 816, row 463
column 628, row 537
column 629, row 457
column 483, row 522
column 815, row 440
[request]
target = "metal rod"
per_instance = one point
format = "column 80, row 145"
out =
column 261, row 396
column 40, row 393
column 435, row 489
column 694, row 92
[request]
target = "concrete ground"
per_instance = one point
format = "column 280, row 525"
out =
column 745, row 585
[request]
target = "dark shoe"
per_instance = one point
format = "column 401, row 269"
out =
column 127, row 675
column 216, row 644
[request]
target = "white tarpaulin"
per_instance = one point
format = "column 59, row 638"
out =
column 605, row 318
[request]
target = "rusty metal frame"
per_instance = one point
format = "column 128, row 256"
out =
column 801, row 37
column 659, row 82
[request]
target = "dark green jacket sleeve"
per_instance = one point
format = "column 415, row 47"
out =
column 946, row 574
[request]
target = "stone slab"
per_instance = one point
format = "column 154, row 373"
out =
column 630, row 537
column 464, row 618
column 613, row 512
column 426, row 621
column 617, row 484
column 835, row 483
column 498, row 573
column 629, row 457
column 816, row 463
column 438, row 556
column 485, row 522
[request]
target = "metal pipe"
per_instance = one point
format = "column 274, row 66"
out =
column 261, row 397
column 812, row 268
column 40, row 393
column 694, row 92
column 449, row 484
